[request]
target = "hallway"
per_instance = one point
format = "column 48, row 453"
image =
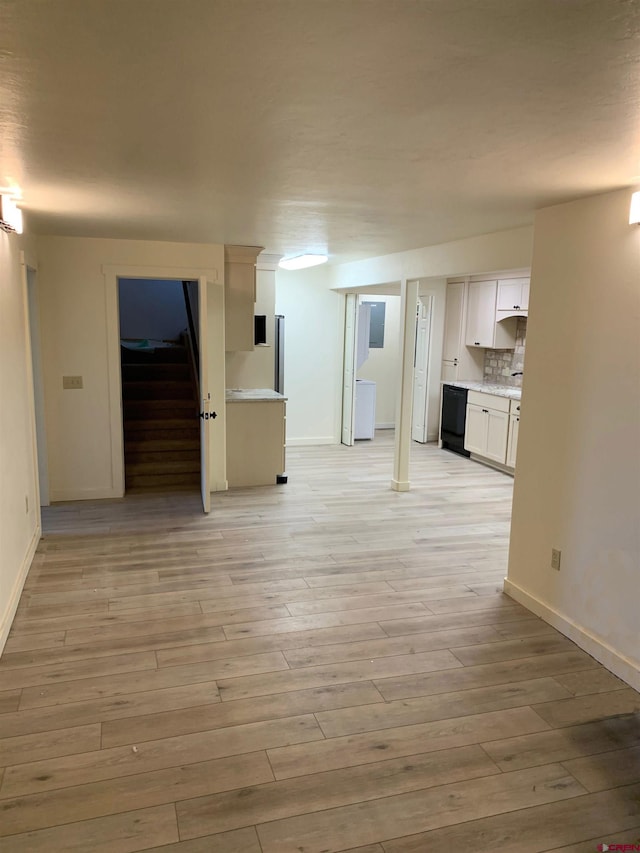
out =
column 317, row 667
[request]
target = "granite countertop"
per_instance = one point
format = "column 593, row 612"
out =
column 252, row 395
column 487, row 388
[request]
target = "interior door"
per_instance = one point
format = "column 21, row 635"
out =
column 349, row 378
column 205, row 396
column 421, row 370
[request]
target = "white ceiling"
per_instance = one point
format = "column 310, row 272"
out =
column 358, row 127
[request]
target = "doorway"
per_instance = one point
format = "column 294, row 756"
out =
column 160, row 369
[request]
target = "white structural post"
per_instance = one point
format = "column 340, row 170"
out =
column 400, row 481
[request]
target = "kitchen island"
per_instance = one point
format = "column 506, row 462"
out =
column 256, row 419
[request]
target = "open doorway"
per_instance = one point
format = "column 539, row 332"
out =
column 38, row 385
column 159, row 361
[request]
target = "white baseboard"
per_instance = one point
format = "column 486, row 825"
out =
column 385, row 426
column 613, row 660
column 16, row 592
column 56, row 495
column 308, row 442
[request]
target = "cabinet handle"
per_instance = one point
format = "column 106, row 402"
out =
column 516, row 306
column 486, row 411
column 476, row 343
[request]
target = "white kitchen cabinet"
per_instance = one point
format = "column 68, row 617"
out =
column 255, row 437
column 513, row 295
column 487, row 426
column 239, row 297
column 512, row 442
column 458, row 361
column 453, row 322
column 482, row 329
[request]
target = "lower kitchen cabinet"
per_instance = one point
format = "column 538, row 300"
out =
column 487, row 426
column 512, row 444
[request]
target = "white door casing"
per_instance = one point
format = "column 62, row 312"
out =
column 349, row 372
column 421, row 370
column 205, row 397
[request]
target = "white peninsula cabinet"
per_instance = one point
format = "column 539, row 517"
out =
column 256, row 421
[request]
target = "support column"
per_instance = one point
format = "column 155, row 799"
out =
column 400, row 481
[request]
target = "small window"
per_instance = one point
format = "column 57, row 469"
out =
column 376, row 327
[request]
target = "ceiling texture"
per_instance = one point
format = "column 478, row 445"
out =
column 352, row 127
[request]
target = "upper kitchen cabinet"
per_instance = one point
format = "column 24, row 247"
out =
column 513, row 297
column 453, row 317
column 239, row 296
column 482, row 328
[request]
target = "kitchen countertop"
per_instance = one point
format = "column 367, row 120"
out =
column 253, row 395
column 487, row 388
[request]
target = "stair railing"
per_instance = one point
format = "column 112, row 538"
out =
column 191, row 336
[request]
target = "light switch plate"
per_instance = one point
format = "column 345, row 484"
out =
column 71, row 382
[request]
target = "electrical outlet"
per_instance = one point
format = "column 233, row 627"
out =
column 71, row 382
column 555, row 559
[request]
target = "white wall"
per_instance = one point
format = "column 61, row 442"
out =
column 19, row 525
column 501, row 250
column 314, row 341
column 75, row 305
column 151, row 308
column 256, row 369
column 577, row 485
column 383, row 364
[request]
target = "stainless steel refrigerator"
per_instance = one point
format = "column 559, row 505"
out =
column 278, row 382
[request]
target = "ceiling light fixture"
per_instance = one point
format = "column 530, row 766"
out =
column 634, row 210
column 10, row 215
column 301, row 262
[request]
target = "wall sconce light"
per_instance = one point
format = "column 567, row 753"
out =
column 10, row 215
column 634, row 210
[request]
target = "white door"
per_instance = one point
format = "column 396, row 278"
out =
column 349, row 378
column 206, row 404
column 421, row 370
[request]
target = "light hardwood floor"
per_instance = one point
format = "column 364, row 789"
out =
column 317, row 667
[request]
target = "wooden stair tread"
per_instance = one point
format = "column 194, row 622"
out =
column 154, row 445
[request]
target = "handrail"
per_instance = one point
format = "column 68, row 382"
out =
column 192, row 336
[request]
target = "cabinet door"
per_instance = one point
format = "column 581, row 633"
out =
column 449, row 371
column 453, row 322
column 524, row 299
column 475, row 431
column 509, row 294
column 497, row 434
column 481, row 314
column 512, row 446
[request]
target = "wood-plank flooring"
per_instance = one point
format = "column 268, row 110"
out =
column 317, row 667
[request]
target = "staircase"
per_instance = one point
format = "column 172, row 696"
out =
column 161, row 426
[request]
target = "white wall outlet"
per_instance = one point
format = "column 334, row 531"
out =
column 555, row 559
column 71, row 382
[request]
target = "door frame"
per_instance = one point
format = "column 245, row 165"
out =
column 424, row 302
column 113, row 272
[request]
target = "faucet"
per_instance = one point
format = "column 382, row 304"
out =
column 517, row 373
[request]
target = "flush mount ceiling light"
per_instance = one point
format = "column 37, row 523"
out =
column 634, row 210
column 301, row 262
column 10, row 215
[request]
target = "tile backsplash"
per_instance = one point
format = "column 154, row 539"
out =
column 499, row 364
